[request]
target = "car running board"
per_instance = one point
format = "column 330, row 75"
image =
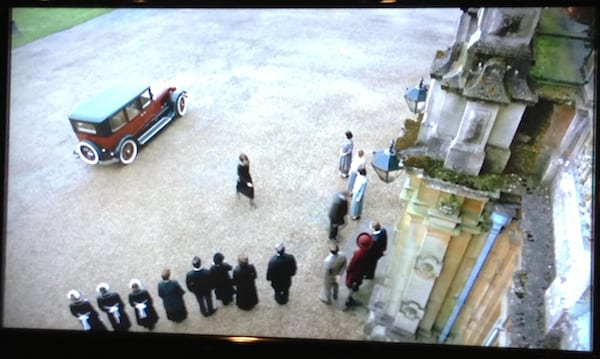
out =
column 159, row 125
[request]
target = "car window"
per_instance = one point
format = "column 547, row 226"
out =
column 117, row 121
column 85, row 127
column 146, row 98
column 133, row 109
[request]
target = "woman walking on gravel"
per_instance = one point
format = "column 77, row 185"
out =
column 245, row 185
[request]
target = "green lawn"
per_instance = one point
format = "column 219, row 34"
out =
column 36, row 22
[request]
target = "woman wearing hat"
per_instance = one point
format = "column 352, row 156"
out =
column 358, row 266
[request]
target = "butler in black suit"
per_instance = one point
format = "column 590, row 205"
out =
column 200, row 282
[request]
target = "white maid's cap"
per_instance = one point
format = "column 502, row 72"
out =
column 135, row 281
column 102, row 286
column 74, row 294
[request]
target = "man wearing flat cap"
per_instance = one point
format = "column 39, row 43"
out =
column 281, row 269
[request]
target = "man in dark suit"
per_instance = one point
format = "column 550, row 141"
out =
column 378, row 248
column 337, row 214
column 200, row 282
column 281, row 269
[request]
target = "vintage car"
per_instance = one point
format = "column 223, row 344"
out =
column 113, row 125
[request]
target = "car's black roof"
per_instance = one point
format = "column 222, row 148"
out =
column 106, row 103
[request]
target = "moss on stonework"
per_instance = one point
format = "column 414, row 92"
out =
column 411, row 132
column 434, row 168
column 523, row 159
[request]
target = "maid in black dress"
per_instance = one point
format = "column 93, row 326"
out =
column 142, row 303
column 83, row 310
column 111, row 303
column 244, row 184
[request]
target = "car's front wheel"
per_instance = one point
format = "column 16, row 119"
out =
column 128, row 151
column 180, row 103
column 88, row 152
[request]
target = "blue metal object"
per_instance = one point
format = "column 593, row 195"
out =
column 386, row 164
column 416, row 97
column 501, row 216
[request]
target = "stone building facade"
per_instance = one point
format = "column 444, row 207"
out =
column 498, row 104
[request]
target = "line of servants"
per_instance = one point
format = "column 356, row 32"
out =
column 200, row 281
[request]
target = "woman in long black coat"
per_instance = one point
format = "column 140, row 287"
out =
column 245, row 185
column 244, row 278
column 142, row 303
column 222, row 279
column 172, row 293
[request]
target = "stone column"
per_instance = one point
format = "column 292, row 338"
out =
column 427, row 266
column 467, row 150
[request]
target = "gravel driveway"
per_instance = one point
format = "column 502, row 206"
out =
column 281, row 85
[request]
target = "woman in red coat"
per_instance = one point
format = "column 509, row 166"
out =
column 358, row 266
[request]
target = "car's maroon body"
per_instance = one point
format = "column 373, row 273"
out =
column 112, row 125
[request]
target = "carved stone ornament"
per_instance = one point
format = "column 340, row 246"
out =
column 428, row 267
column 474, row 126
column 487, row 82
column 449, row 205
column 411, row 310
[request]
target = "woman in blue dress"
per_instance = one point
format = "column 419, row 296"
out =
column 346, row 155
column 358, row 194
